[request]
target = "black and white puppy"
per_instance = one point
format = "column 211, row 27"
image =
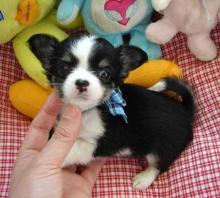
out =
column 86, row 70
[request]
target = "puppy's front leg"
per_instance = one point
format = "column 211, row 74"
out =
column 80, row 153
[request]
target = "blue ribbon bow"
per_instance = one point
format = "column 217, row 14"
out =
column 116, row 103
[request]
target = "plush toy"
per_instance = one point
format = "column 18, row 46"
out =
column 28, row 97
column 76, row 23
column 15, row 15
column 111, row 19
column 195, row 18
column 153, row 71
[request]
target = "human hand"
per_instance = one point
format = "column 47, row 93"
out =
column 37, row 172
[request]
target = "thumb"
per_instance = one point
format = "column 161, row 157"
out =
column 63, row 138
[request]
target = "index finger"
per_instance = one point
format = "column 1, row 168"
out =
column 63, row 138
column 39, row 129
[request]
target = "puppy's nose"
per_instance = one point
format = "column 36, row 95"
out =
column 81, row 85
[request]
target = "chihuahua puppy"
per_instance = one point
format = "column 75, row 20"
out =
column 117, row 118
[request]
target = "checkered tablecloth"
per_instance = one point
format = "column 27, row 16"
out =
column 196, row 173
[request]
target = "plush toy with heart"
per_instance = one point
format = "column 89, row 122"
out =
column 111, row 19
column 195, row 18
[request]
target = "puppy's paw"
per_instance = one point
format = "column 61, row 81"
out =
column 142, row 181
column 145, row 178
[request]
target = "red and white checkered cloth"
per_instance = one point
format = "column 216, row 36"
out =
column 196, row 173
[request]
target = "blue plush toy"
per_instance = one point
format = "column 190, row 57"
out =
column 111, row 19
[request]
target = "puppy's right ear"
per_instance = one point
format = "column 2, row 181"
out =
column 43, row 47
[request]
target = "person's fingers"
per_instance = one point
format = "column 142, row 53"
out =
column 71, row 168
column 39, row 129
column 63, row 138
column 74, row 185
column 91, row 172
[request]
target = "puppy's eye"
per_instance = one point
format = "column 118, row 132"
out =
column 63, row 69
column 104, row 75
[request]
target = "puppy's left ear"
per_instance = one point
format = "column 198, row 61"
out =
column 43, row 46
column 130, row 57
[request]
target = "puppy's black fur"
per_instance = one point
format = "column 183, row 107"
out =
column 157, row 124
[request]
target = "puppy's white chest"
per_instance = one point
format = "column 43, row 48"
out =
column 83, row 148
column 92, row 125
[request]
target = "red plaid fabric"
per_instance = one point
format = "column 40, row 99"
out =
column 196, row 173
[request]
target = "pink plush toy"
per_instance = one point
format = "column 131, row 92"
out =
column 195, row 18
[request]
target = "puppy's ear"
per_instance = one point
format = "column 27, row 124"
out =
column 130, row 57
column 43, row 46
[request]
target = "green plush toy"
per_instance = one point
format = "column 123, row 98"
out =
column 15, row 15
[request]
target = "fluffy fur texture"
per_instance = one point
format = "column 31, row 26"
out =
column 85, row 70
column 195, row 18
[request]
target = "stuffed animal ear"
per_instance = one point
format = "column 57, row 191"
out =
column 130, row 57
column 43, row 47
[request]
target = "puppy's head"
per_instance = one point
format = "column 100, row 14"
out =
column 85, row 69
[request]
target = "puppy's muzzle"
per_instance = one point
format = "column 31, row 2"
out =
column 81, row 85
